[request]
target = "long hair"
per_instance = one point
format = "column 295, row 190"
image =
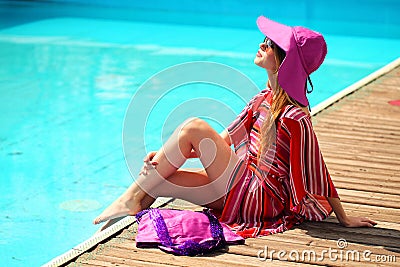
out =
column 280, row 99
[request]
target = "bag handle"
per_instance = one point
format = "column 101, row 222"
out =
column 190, row 247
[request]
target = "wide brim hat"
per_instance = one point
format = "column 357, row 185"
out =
column 305, row 51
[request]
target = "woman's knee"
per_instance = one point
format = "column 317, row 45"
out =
column 193, row 126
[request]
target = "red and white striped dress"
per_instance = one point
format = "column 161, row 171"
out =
column 289, row 184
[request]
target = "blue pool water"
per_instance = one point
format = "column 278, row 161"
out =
column 65, row 85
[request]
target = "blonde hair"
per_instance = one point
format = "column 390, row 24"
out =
column 280, row 100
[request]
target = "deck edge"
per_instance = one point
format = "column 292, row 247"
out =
column 99, row 237
column 91, row 242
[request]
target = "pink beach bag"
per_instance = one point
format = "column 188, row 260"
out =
column 183, row 232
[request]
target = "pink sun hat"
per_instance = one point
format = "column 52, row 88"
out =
column 305, row 51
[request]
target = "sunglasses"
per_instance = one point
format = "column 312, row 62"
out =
column 268, row 43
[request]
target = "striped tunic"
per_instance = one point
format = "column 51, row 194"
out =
column 287, row 185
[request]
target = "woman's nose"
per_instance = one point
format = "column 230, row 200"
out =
column 262, row 46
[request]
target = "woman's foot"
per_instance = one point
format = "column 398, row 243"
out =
column 121, row 207
column 108, row 224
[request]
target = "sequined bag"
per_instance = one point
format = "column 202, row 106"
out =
column 183, row 232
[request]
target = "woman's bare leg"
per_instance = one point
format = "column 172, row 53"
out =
column 214, row 153
column 192, row 186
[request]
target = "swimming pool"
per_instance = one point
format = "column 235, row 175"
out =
column 65, row 84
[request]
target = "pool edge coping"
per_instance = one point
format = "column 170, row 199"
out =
column 99, row 237
column 91, row 242
column 123, row 223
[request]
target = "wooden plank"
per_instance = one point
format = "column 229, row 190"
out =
column 350, row 173
column 364, row 170
column 316, row 237
column 343, row 175
column 215, row 259
column 381, row 167
column 361, row 151
column 334, row 124
column 364, row 118
column 367, row 107
column 257, row 244
column 365, row 187
column 362, row 139
column 352, row 109
column 358, row 131
column 365, row 156
column 371, row 213
column 82, row 264
column 365, row 236
column 363, row 173
column 312, row 237
column 392, row 226
column 122, row 260
column 361, row 123
column 367, row 148
column 369, row 198
column 366, row 104
column 374, row 212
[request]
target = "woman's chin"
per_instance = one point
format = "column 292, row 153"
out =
column 258, row 62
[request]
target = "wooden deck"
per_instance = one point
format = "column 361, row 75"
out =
column 360, row 140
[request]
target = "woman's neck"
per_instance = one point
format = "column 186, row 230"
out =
column 272, row 80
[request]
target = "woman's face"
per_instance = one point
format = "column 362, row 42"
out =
column 265, row 57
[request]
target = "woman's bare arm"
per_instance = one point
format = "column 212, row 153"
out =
column 348, row 221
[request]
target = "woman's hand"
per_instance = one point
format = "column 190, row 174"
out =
column 149, row 157
column 357, row 222
column 148, row 164
column 348, row 221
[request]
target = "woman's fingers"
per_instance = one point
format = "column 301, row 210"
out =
column 149, row 156
column 360, row 222
column 370, row 223
column 148, row 164
column 143, row 171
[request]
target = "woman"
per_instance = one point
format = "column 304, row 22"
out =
column 276, row 177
